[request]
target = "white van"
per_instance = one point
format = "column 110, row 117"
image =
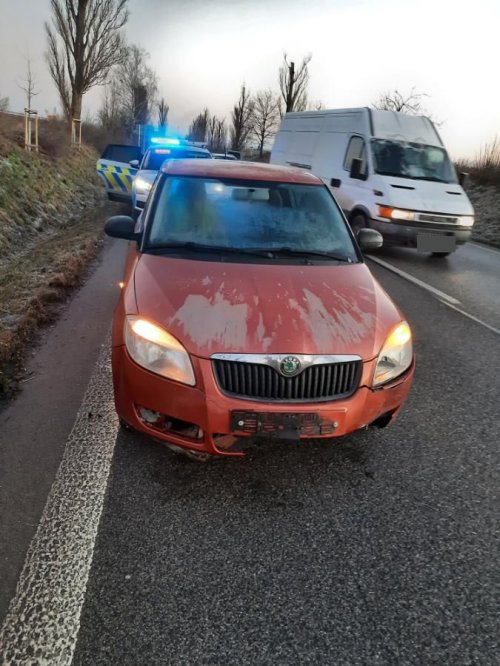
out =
column 388, row 171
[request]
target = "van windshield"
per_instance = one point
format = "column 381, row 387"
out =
column 249, row 216
column 412, row 160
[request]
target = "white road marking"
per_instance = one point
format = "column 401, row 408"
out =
column 43, row 619
column 411, row 278
column 443, row 298
column 476, row 319
column 486, row 248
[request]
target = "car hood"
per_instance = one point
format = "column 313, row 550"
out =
column 427, row 196
column 216, row 307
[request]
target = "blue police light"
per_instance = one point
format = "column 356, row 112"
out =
column 166, row 140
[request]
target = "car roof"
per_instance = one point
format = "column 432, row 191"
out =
column 239, row 170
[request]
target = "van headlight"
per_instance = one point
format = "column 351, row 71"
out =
column 156, row 350
column 396, row 355
column 397, row 214
column 466, row 221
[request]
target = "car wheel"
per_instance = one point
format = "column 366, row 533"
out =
column 358, row 222
column 440, row 255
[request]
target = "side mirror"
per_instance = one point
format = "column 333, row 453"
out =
column 335, row 182
column 369, row 239
column 134, row 164
column 462, row 178
column 356, row 169
column 121, row 226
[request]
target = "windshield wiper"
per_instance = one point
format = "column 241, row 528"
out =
column 201, row 247
column 310, row 253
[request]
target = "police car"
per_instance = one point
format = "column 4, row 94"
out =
column 159, row 151
column 115, row 170
column 128, row 175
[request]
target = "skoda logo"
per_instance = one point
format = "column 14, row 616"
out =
column 290, row 366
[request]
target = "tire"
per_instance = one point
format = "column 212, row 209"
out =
column 357, row 222
column 441, row 255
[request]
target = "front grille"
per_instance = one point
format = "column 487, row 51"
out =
column 439, row 219
column 262, row 382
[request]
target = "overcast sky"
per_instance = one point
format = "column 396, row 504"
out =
column 203, row 50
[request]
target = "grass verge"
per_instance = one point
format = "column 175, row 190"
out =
column 34, row 285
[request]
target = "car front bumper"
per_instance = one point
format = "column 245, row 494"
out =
column 406, row 233
column 201, row 415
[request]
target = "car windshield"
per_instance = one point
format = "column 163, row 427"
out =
column 155, row 158
column 249, row 215
column 412, row 160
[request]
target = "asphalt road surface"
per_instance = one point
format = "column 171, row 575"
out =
column 382, row 548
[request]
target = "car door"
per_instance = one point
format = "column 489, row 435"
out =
column 352, row 191
column 115, row 171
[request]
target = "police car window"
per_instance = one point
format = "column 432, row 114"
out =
column 121, row 153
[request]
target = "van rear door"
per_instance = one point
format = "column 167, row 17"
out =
column 115, row 171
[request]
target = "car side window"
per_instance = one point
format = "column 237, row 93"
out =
column 355, row 150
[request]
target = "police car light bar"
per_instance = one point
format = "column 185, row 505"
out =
column 166, row 140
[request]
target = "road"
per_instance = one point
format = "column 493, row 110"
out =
column 380, row 549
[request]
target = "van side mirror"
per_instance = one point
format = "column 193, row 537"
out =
column 335, row 182
column 356, row 169
column 369, row 239
column 462, row 178
column 121, row 226
column 134, row 164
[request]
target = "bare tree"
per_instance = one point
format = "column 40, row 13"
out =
column 29, row 84
column 4, row 103
column 199, row 127
column 266, row 114
column 317, row 105
column 242, row 119
column 84, row 42
column 163, row 109
column 110, row 115
column 410, row 103
column 135, row 85
column 293, row 84
column 217, row 134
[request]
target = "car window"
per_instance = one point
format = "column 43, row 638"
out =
column 121, row 153
column 355, row 150
column 248, row 214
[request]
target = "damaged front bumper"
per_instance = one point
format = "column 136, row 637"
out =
column 204, row 420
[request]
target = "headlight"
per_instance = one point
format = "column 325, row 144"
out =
column 142, row 185
column 154, row 349
column 465, row 221
column 396, row 355
column 396, row 213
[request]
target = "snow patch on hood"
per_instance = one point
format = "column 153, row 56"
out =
column 201, row 318
column 347, row 322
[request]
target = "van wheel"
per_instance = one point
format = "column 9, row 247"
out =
column 358, row 221
column 441, row 255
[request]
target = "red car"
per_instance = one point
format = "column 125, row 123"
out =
column 248, row 310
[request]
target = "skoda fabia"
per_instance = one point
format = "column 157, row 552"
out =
column 248, row 311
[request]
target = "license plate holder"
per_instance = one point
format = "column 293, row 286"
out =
column 281, row 425
column 436, row 242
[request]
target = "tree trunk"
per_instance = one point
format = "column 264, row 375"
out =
column 76, row 106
